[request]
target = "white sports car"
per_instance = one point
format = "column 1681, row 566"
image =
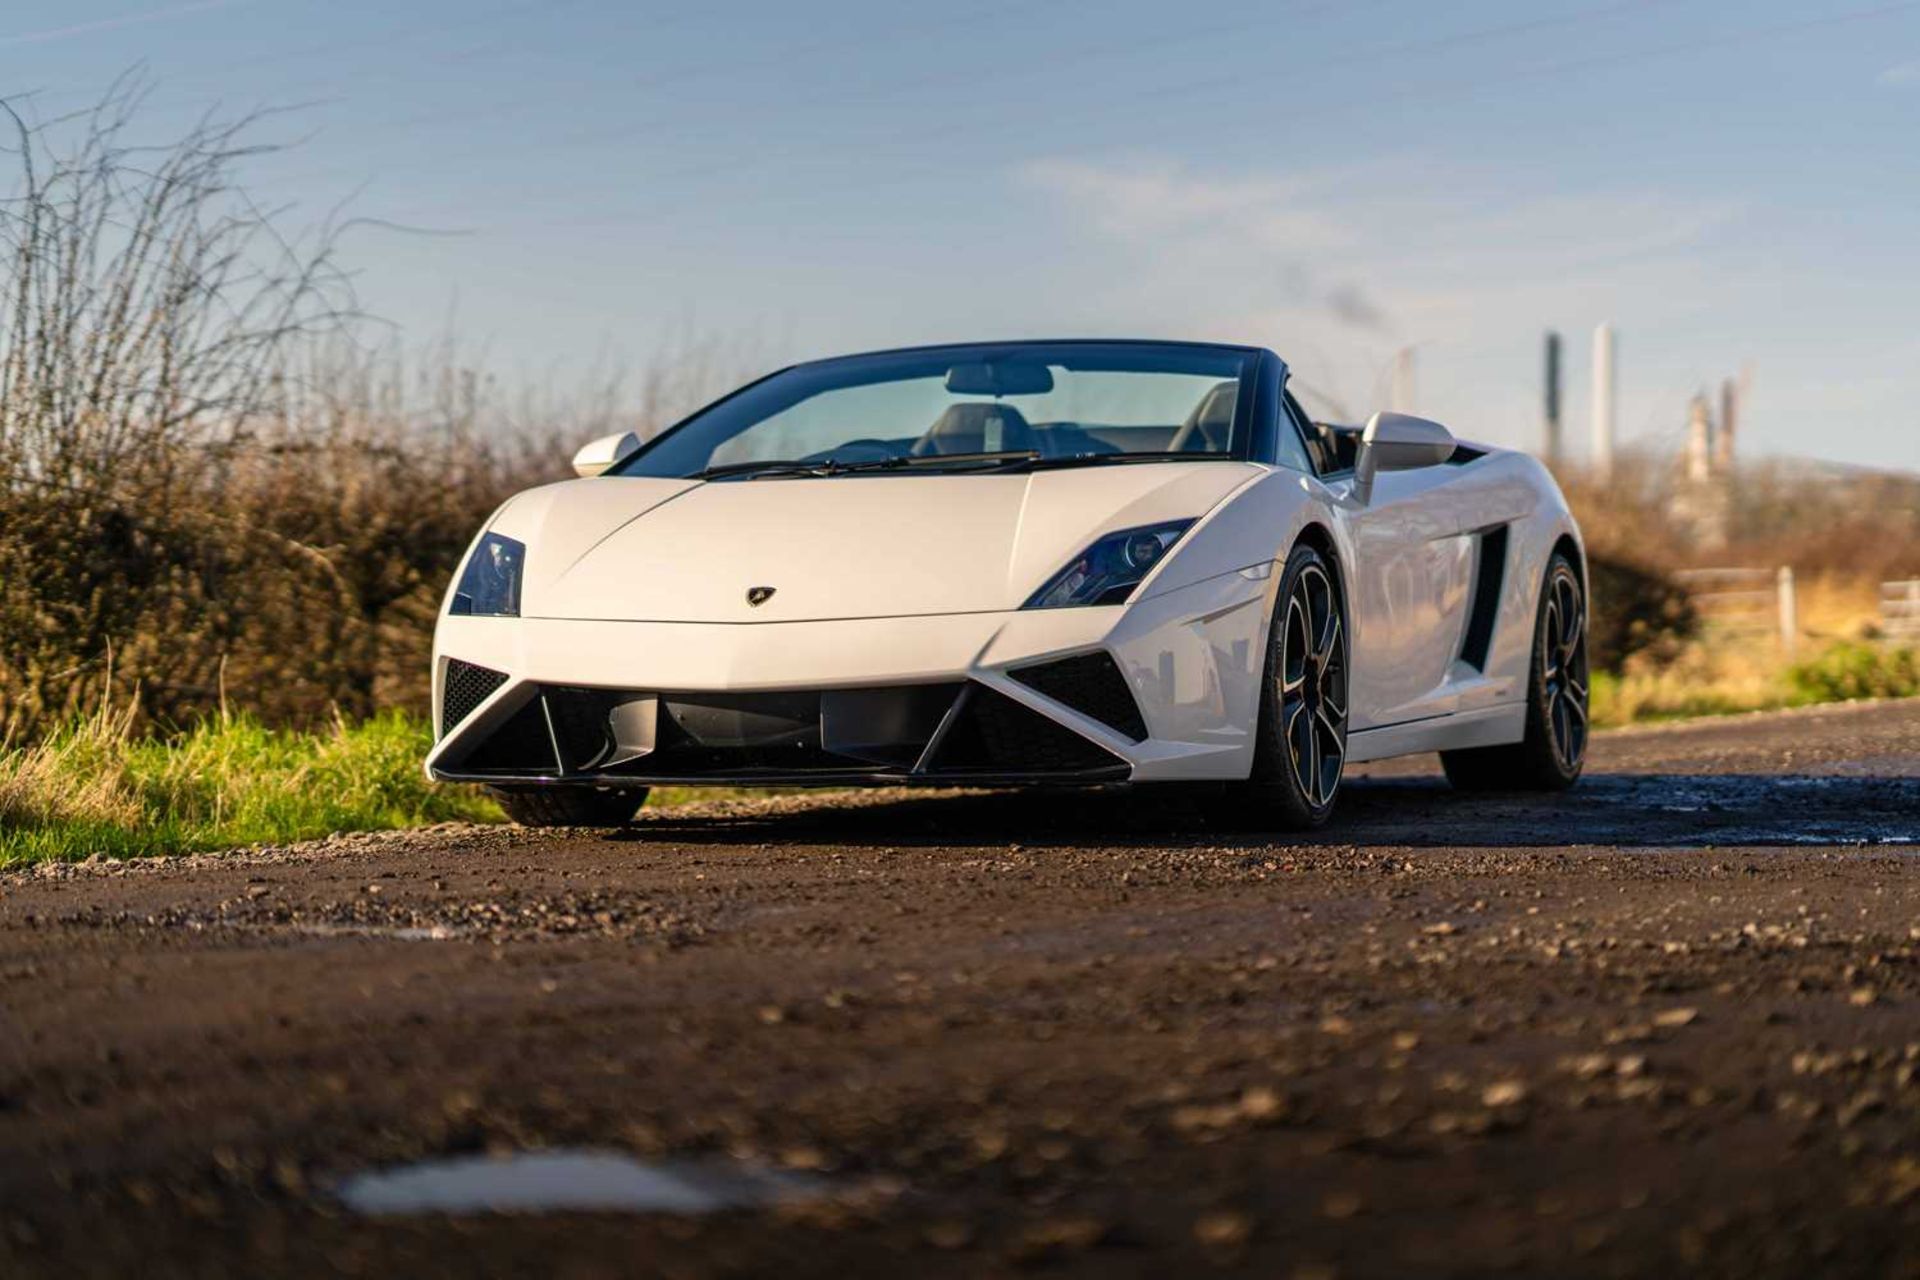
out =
column 1018, row 563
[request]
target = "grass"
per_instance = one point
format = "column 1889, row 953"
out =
column 1726, row 677
column 98, row 786
column 95, row 787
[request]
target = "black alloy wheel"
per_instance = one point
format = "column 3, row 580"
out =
column 1313, row 686
column 1300, row 752
column 1564, row 668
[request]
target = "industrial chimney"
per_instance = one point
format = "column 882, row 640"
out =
column 1699, row 440
column 1729, row 416
column 1603, row 402
column 1552, row 417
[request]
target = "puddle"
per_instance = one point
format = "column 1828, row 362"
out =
column 1819, row 839
column 577, row 1181
column 1658, row 811
column 401, row 933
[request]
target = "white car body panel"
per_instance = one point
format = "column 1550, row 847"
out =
column 856, row 547
column 904, row 580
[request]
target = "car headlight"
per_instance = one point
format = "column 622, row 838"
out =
column 1109, row 570
column 490, row 584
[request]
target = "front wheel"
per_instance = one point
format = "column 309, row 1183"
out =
column 569, row 806
column 1300, row 753
column 1555, row 749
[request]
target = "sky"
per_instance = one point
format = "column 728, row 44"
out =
column 569, row 185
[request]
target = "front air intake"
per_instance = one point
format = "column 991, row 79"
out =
column 913, row 733
column 992, row 733
column 1092, row 684
column 466, row 685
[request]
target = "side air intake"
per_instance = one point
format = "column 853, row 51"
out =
column 1092, row 684
column 1490, row 577
column 466, row 685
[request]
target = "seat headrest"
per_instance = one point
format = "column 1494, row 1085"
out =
column 976, row 428
column 1209, row 427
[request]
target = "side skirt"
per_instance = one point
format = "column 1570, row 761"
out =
column 1485, row 727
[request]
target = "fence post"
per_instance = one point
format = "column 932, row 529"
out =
column 1789, row 611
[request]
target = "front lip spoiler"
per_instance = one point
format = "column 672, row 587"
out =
column 1105, row 775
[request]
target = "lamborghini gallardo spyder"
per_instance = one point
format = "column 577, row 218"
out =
column 1083, row 563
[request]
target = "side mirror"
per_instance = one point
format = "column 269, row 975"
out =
column 597, row 456
column 1398, row 442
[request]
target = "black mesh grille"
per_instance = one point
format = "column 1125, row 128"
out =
column 1092, row 685
column 466, row 686
column 996, row 733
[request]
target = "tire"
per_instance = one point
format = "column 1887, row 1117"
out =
column 569, row 806
column 1300, row 747
column 1554, row 751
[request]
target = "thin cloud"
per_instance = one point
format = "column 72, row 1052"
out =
column 1901, row 76
column 1278, row 224
column 1158, row 198
column 114, row 24
column 1338, row 267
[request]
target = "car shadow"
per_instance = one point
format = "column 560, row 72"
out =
column 1614, row 809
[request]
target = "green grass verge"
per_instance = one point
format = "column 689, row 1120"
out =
column 94, row 788
column 1843, row 672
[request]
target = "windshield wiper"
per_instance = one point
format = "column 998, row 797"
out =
column 771, row 466
column 780, row 468
column 992, row 459
column 1140, row 455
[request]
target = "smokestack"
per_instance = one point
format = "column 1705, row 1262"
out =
column 1553, row 446
column 1403, row 380
column 1699, row 440
column 1729, row 417
column 1603, row 402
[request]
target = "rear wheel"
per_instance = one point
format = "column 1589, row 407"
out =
column 569, row 806
column 1555, row 749
column 1301, row 749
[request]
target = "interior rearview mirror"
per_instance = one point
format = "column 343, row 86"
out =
column 597, row 456
column 1398, row 442
column 1000, row 378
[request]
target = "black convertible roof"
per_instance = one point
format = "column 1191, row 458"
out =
column 934, row 347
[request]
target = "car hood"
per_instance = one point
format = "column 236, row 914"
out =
column 639, row 549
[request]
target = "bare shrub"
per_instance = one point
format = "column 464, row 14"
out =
column 1843, row 532
column 1638, row 611
column 1632, row 548
column 148, row 301
column 147, row 305
column 213, row 493
column 1863, row 524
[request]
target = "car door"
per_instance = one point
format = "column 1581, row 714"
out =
column 1412, row 552
column 1408, row 595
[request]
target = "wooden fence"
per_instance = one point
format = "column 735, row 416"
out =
column 1746, row 602
column 1900, row 609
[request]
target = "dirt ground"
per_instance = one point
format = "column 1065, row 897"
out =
column 1669, row 1023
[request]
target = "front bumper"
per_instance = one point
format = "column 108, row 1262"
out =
column 1191, row 660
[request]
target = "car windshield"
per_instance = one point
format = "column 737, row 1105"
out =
column 971, row 408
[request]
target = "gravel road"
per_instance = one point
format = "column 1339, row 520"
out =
column 1669, row 1023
